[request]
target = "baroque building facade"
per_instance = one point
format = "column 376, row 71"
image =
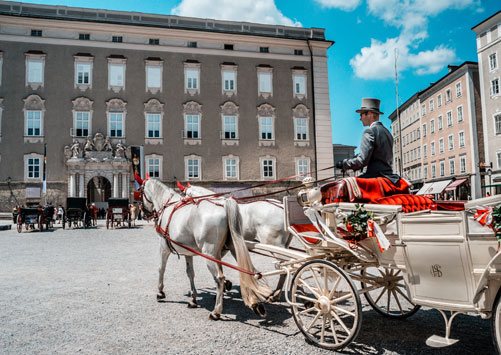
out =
column 107, row 93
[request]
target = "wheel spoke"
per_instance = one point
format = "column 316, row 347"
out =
column 341, row 299
column 388, row 302
column 313, row 321
column 404, row 295
column 398, row 302
column 336, row 340
column 341, row 322
column 340, row 309
column 322, row 333
column 316, row 281
column 331, row 294
column 326, row 283
column 380, row 295
column 307, row 311
column 311, row 289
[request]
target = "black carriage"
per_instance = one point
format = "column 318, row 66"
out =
column 118, row 212
column 31, row 217
column 77, row 213
column 47, row 215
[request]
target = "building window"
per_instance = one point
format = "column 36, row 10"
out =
column 423, row 110
column 33, row 167
column 265, row 81
column 497, row 124
column 302, row 167
column 425, row 151
column 267, row 168
column 424, row 130
column 452, row 166
column 264, row 49
column 192, row 168
column 35, row 65
column 433, row 171
column 230, row 168
column 461, row 139
column 154, row 167
column 153, row 122
column 301, row 129
column 266, row 128
column 431, row 105
column 298, row 52
column 229, row 80
column 442, row 168
column 154, row 70
column 83, row 74
column 192, row 44
column 493, row 61
column 459, row 91
column 116, row 125
column 499, row 159
column 449, row 118
column 192, row 126
column 460, row 113
column 117, row 39
column 33, row 123
column 462, row 164
column 36, row 33
column 432, row 126
column 82, row 124
column 495, row 87
column 154, row 41
column 425, row 172
column 440, row 123
column 116, row 73
column 439, row 100
column 441, row 145
column 450, row 142
column 192, row 76
column 228, row 47
column 448, row 96
column 299, row 85
column 432, row 148
column 230, row 127
column 84, row 36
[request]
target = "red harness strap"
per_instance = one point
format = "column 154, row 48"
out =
column 165, row 234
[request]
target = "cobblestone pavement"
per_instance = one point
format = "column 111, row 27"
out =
column 93, row 291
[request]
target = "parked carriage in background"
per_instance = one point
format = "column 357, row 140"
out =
column 118, row 212
column 31, row 217
column 77, row 213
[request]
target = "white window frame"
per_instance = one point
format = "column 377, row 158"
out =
column 229, row 79
column 433, row 171
column 425, row 151
column 299, row 83
column 117, row 64
column 494, row 87
column 432, row 107
column 189, row 160
column 153, row 71
column 148, row 116
column 439, row 100
column 41, row 120
column 226, row 160
column 449, row 118
column 39, row 60
column 460, row 116
column 461, row 141
column 87, row 61
column 452, row 166
column 261, row 122
column 89, row 123
column 262, row 89
column 448, row 95
column 224, row 126
column 450, row 142
column 441, row 146
column 423, row 110
column 192, row 78
column 27, row 157
column 273, row 167
column 302, row 161
column 425, row 172
column 462, row 164
column 432, row 148
column 424, row 130
column 498, row 156
column 440, row 122
column 432, row 126
column 160, row 165
column 198, row 125
column 109, row 117
column 304, row 136
column 497, row 127
column 442, row 167
column 459, row 89
column 495, row 61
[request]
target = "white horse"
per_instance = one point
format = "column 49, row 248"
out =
column 204, row 228
column 262, row 221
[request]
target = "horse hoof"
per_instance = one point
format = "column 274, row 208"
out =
column 259, row 310
column 192, row 305
column 228, row 285
column 160, row 296
column 214, row 316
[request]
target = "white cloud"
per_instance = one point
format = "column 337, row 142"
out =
column 411, row 17
column 260, row 11
column 345, row 5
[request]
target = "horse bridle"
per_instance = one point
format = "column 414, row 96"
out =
column 148, row 215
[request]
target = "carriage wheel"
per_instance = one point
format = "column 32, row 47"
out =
column 496, row 323
column 19, row 224
column 85, row 220
column 388, row 295
column 326, row 306
column 40, row 223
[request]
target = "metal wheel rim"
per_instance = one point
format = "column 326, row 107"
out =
column 390, row 298
column 496, row 323
column 327, row 307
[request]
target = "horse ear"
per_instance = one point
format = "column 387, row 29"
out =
column 189, row 185
column 180, row 186
column 138, row 178
column 147, row 176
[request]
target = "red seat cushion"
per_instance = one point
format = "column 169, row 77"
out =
column 301, row 228
column 410, row 203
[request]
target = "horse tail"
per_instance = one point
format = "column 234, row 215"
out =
column 253, row 290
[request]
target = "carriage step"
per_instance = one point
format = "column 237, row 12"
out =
column 436, row 341
column 5, row 227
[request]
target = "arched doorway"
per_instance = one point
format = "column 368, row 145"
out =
column 98, row 190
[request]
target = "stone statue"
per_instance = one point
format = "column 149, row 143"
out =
column 89, row 145
column 99, row 141
column 107, row 147
column 67, row 152
column 76, row 150
column 120, row 150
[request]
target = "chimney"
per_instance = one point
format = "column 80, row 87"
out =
column 452, row 68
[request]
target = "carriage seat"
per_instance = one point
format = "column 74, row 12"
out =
column 307, row 232
column 409, row 203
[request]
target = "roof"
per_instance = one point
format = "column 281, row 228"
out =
column 484, row 21
column 19, row 9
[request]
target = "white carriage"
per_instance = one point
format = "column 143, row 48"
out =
column 440, row 259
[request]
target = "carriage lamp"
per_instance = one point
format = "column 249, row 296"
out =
column 310, row 195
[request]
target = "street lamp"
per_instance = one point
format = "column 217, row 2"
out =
column 489, row 172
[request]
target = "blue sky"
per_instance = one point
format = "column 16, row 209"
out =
column 429, row 35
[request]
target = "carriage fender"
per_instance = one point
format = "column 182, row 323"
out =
column 484, row 279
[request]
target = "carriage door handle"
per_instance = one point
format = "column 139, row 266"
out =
column 403, row 245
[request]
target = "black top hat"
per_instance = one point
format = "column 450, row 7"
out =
column 370, row 105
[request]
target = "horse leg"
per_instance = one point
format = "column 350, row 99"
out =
column 191, row 274
column 217, row 272
column 164, row 256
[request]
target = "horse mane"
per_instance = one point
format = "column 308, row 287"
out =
column 160, row 193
